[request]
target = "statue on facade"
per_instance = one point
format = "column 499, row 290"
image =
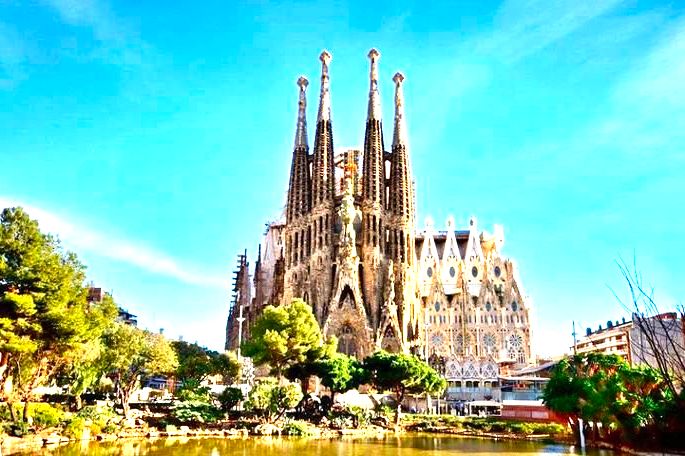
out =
column 348, row 213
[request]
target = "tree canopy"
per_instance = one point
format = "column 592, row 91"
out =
column 45, row 318
column 605, row 389
column 196, row 363
column 133, row 353
column 285, row 336
column 402, row 374
column 341, row 373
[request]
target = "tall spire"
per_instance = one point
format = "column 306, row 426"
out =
column 325, row 99
column 373, row 183
column 322, row 162
column 401, row 188
column 400, row 134
column 301, row 132
column 299, row 196
column 374, row 97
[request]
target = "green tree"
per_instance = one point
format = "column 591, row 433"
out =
column 604, row 389
column 133, row 353
column 196, row 363
column 341, row 373
column 229, row 398
column 285, row 336
column 271, row 399
column 44, row 315
column 86, row 366
column 402, row 374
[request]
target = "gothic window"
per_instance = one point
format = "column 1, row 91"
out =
column 498, row 271
column 390, row 342
column 453, row 272
column 489, row 344
column 471, row 371
column 429, row 272
column 490, row 370
column 515, row 348
column 514, row 306
column 459, row 344
column 437, row 363
column 474, row 271
column 488, row 306
column 346, row 340
column 437, row 306
column 453, row 369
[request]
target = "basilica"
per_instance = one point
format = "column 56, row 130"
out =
column 348, row 244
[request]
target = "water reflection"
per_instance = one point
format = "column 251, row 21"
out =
column 418, row 445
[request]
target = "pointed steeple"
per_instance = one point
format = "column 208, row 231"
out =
column 299, row 197
column 325, row 98
column 322, row 164
column 301, row 131
column 373, row 190
column 374, row 111
column 401, row 189
column 400, row 133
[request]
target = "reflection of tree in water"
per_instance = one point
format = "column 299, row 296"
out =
column 276, row 446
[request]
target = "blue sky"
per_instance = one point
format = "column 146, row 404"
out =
column 155, row 138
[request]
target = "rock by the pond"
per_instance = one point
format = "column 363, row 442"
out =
column 267, row 429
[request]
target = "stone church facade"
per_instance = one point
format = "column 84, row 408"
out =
column 349, row 246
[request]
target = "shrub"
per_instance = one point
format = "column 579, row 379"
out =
column 46, row 415
column 297, row 428
column 229, row 398
column 43, row 414
column 195, row 412
column 346, row 417
column 268, row 397
column 74, row 428
column 19, row 429
column 550, row 428
column 103, row 419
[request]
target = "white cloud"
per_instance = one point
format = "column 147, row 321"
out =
column 523, row 27
column 119, row 45
column 80, row 238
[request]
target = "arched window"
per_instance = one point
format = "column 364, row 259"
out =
column 346, row 340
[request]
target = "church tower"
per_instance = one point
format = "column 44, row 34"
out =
column 323, row 202
column 373, row 200
column 401, row 230
column 299, row 196
column 297, row 232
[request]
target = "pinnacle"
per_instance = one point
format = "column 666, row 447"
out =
column 302, row 82
column 325, row 57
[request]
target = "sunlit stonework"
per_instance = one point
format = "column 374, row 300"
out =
column 349, row 246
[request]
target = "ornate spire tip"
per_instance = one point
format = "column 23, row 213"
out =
column 325, row 57
column 374, row 54
column 398, row 78
column 302, row 82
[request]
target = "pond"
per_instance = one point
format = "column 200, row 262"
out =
column 412, row 445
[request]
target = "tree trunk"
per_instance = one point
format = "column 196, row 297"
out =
column 398, row 411
column 25, row 413
column 13, row 415
column 78, row 402
column 123, row 398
